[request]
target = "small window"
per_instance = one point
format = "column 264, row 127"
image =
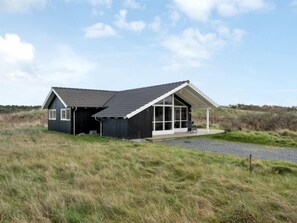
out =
column 177, row 113
column 184, row 114
column 65, row 114
column 160, row 102
column 178, row 102
column 168, row 100
column 158, row 113
column 168, row 125
column 184, row 124
column 168, row 114
column 159, row 126
column 52, row 114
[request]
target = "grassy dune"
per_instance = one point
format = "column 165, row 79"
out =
column 52, row 177
column 217, row 116
column 32, row 118
column 283, row 138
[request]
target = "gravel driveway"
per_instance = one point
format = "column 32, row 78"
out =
column 239, row 149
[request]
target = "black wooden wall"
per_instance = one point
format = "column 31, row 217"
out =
column 115, row 128
column 141, row 125
column 58, row 125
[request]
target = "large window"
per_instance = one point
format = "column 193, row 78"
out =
column 181, row 117
column 52, row 114
column 65, row 114
column 170, row 114
column 163, row 118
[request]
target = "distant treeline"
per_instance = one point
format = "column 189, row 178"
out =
column 264, row 108
column 5, row 109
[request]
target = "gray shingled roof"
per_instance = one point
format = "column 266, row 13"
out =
column 84, row 98
column 125, row 102
column 118, row 104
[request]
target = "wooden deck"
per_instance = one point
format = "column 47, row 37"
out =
column 200, row 132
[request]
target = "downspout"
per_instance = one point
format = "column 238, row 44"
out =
column 74, row 120
column 101, row 121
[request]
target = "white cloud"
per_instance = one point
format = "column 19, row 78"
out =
column 193, row 48
column 174, row 16
column 21, row 6
column 96, row 12
column 101, row 2
column 232, row 35
column 294, row 3
column 61, row 65
column 99, row 30
column 133, row 4
column 14, row 50
column 156, row 24
column 201, row 10
column 135, row 26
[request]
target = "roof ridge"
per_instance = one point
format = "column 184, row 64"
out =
column 110, row 99
column 85, row 89
column 158, row 85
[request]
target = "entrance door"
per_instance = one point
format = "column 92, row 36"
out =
column 180, row 117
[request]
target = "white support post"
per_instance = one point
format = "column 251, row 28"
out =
column 207, row 120
column 173, row 118
column 101, row 127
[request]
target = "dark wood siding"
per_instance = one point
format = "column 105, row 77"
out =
column 58, row 125
column 115, row 128
column 84, row 122
column 141, row 125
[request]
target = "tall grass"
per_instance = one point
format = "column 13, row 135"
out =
column 284, row 138
column 35, row 117
column 53, row 177
column 230, row 119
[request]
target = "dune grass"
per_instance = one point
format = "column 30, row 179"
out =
column 283, row 138
column 53, row 177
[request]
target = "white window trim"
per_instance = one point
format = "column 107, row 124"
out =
column 65, row 109
column 163, row 106
column 49, row 114
column 180, row 118
column 173, row 106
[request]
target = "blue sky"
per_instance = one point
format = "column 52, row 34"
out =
column 236, row 51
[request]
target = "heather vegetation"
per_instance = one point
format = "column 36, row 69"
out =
column 250, row 117
column 8, row 109
column 54, row 177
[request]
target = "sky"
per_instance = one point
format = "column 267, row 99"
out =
column 235, row 51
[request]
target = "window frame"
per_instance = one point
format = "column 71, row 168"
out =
column 50, row 114
column 65, row 110
column 180, row 120
column 182, row 123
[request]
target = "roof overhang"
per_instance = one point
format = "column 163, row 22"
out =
column 195, row 97
column 188, row 92
column 49, row 99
